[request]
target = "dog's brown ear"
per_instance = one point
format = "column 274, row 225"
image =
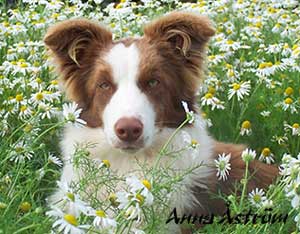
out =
column 187, row 33
column 75, row 42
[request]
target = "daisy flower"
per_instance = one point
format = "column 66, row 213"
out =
column 266, row 69
column 295, row 128
column 55, row 160
column 266, row 204
column 289, row 91
column 223, row 166
column 66, row 223
column 134, row 212
column 193, row 145
column 189, row 114
column 72, row 114
column 209, row 100
column 239, row 89
column 267, row 156
column 74, row 204
column 101, row 220
column 123, row 199
column 38, row 98
column 248, row 155
column 257, row 196
column 265, row 113
column 246, row 128
column 294, row 193
column 142, row 188
column 46, row 111
column 20, row 153
column 288, row 104
column 25, row 112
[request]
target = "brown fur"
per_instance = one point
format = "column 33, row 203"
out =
column 76, row 46
column 172, row 51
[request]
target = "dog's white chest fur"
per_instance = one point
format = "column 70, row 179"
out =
column 127, row 163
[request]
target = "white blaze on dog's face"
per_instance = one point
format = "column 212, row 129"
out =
column 129, row 116
column 131, row 88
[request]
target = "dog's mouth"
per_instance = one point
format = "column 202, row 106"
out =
column 130, row 148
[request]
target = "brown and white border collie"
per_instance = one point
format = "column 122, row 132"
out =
column 131, row 90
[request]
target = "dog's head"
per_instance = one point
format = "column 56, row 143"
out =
column 134, row 86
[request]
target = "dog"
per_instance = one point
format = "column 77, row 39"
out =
column 131, row 92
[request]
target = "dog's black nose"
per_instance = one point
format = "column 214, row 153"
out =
column 128, row 129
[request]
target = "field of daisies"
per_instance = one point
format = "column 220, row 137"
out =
column 251, row 95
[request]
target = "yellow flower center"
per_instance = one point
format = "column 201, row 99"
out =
column 54, row 15
column 211, row 90
column 70, row 196
column 71, row 219
column 266, row 152
column 23, row 108
column 231, row 73
column 236, row 86
column 289, row 91
column 106, row 163
column 147, row 184
column 54, row 82
column 113, row 199
column 246, row 124
column 23, row 65
column 295, row 47
column 288, row 101
column 257, row 198
column 39, row 96
column 230, row 42
column 228, row 66
column 265, row 65
column 194, row 142
column 25, row 206
column 286, row 46
column 208, row 96
column 119, row 6
column 295, row 125
column 19, row 97
column 100, row 213
column 258, row 24
column 38, row 80
column 28, row 128
column 140, row 198
column 19, row 149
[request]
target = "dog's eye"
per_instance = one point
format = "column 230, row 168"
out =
column 105, row 85
column 153, row 83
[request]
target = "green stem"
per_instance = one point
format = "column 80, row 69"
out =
column 162, row 152
column 48, row 130
column 244, row 110
column 245, row 182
